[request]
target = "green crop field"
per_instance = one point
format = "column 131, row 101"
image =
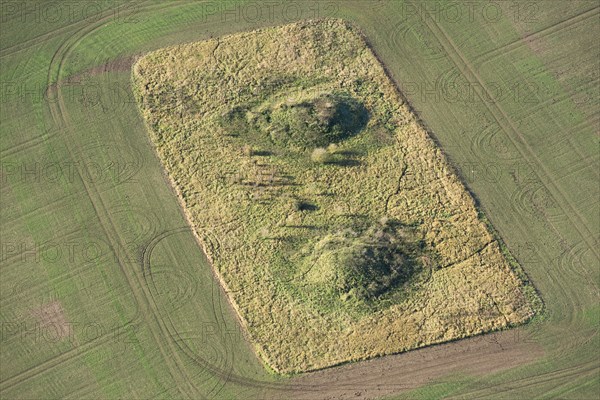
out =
column 104, row 291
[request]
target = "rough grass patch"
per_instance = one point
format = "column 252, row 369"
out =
column 390, row 255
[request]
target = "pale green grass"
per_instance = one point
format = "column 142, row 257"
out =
column 565, row 275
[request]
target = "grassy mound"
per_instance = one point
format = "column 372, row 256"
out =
column 325, row 119
column 302, row 123
column 288, row 146
column 363, row 266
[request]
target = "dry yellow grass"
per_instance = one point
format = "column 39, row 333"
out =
column 244, row 205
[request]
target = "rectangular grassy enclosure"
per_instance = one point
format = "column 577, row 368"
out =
column 331, row 218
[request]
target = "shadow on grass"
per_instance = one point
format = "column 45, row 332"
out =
column 347, row 162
